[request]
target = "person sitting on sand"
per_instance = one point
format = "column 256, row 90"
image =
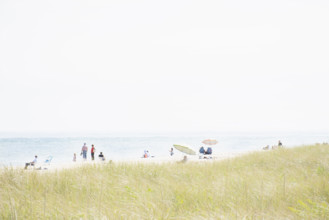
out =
column 101, row 156
column 202, row 150
column 146, row 154
column 209, row 151
column 32, row 163
column 184, row 160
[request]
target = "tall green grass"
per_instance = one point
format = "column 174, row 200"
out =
column 279, row 184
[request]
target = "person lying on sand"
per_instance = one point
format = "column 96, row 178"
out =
column 266, row 148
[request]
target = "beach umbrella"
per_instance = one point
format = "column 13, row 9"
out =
column 184, row 149
column 210, row 142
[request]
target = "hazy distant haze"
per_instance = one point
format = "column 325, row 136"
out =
column 164, row 65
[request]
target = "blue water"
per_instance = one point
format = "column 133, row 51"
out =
column 16, row 150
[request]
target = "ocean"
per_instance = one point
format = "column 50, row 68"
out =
column 16, row 150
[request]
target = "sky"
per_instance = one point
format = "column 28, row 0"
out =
column 164, row 66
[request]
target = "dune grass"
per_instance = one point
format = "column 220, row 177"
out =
column 279, row 184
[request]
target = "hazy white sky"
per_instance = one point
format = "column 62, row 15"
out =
column 180, row 66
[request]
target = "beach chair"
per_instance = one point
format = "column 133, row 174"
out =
column 207, row 154
column 48, row 161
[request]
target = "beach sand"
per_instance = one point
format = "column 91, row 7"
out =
column 178, row 157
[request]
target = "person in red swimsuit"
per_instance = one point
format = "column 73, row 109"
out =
column 93, row 150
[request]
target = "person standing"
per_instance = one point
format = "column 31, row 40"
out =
column 171, row 151
column 84, row 151
column 279, row 144
column 93, row 150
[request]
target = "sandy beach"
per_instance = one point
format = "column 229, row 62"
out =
column 176, row 158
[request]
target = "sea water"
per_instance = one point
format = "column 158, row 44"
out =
column 15, row 150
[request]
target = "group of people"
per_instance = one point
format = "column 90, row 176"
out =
column 203, row 151
column 84, row 151
column 274, row 147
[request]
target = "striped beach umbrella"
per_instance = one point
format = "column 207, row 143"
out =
column 210, row 142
